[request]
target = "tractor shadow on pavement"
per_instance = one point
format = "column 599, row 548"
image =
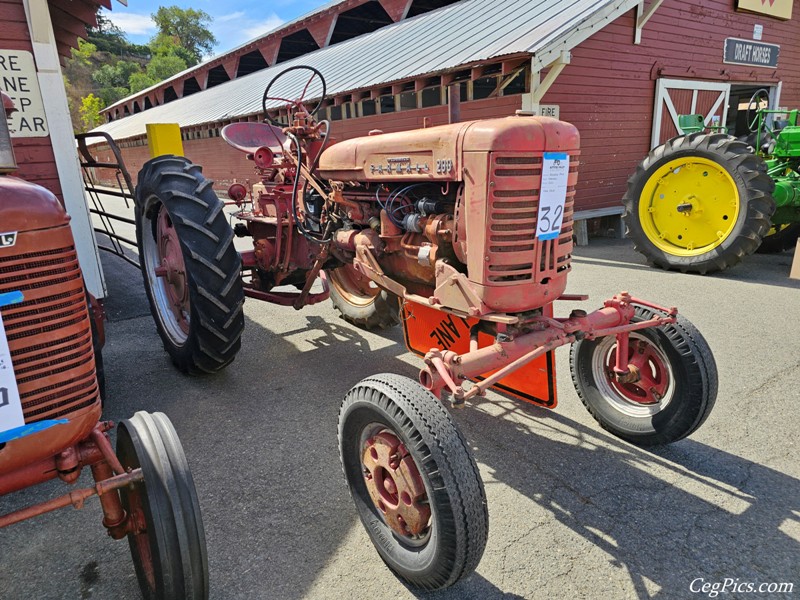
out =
column 664, row 517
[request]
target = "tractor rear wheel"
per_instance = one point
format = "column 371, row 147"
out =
column 415, row 484
column 359, row 303
column 699, row 203
column 192, row 272
column 780, row 238
column 169, row 552
column 674, row 395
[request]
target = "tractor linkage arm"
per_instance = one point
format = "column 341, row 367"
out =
column 539, row 335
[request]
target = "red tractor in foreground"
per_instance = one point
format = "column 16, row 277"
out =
column 468, row 227
column 51, row 383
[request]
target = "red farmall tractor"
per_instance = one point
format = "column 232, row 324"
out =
column 468, row 226
column 50, row 402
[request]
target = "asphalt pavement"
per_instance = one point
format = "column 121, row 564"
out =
column 574, row 512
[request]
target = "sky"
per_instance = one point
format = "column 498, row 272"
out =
column 234, row 22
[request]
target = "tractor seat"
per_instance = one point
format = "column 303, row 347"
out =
column 250, row 136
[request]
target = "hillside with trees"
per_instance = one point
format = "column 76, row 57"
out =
column 107, row 67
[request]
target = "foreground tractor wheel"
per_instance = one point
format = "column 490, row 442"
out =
column 699, row 203
column 780, row 238
column 170, row 553
column 192, row 272
column 414, row 482
column 676, row 392
column 360, row 304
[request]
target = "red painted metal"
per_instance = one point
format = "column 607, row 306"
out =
column 395, row 485
column 538, row 336
column 173, row 269
column 76, row 498
column 651, row 374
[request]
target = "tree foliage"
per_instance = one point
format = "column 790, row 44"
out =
column 107, row 67
column 90, row 109
column 188, row 27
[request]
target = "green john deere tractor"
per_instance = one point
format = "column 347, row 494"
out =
column 705, row 199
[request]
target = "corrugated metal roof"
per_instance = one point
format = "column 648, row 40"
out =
column 454, row 36
column 198, row 67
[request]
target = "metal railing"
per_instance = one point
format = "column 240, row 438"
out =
column 108, row 220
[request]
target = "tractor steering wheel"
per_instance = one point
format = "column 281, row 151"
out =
column 297, row 102
column 753, row 108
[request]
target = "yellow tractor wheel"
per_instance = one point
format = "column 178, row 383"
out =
column 699, row 203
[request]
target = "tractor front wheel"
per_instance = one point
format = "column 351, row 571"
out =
column 699, row 203
column 169, row 547
column 677, row 384
column 359, row 303
column 414, row 482
column 192, row 272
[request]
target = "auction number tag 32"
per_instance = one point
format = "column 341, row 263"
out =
column 11, row 415
column 552, row 195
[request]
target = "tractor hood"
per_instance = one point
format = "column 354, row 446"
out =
column 26, row 207
column 435, row 152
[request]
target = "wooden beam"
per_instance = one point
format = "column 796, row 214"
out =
column 642, row 17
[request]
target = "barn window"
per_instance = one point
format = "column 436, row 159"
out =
column 335, row 113
column 368, row 108
column 386, row 104
column 296, row 44
column 216, row 76
column 358, row 21
column 170, row 95
column 408, row 101
column 517, row 85
column 483, row 87
column 250, row 63
column 431, row 96
column 190, row 86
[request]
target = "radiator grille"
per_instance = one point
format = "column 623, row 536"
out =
column 515, row 255
column 49, row 333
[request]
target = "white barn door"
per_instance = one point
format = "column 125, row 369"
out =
column 684, row 97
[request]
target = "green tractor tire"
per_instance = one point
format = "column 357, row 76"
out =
column 699, row 203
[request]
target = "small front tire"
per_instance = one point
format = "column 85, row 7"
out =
column 414, row 482
column 170, row 554
column 676, row 392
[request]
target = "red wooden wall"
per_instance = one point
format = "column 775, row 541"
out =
column 34, row 155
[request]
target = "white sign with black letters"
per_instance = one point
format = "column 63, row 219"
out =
column 11, row 415
column 18, row 79
column 552, row 194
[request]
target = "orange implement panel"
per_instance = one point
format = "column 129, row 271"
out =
column 425, row 328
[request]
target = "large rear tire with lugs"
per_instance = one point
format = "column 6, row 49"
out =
column 191, row 271
column 699, row 203
column 414, row 481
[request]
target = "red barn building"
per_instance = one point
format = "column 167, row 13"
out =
column 620, row 70
column 35, row 35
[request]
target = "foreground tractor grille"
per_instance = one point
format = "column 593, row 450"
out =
column 49, row 334
column 514, row 253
